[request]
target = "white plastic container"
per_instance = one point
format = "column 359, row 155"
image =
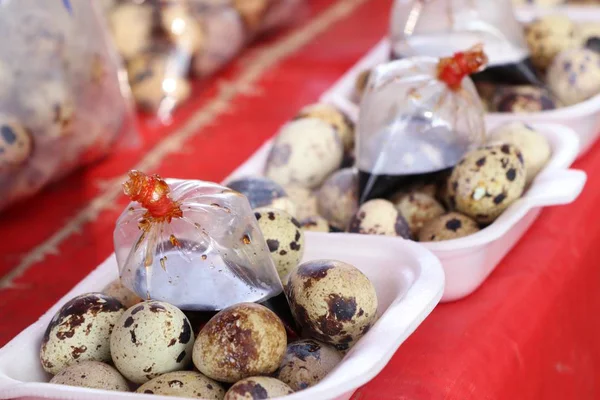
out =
column 409, row 281
column 583, row 117
column 468, row 261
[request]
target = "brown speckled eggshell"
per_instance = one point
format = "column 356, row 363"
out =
column 338, row 120
column 150, row 339
column 315, row 223
column 418, row 208
column 304, row 199
column 337, row 199
column 446, row 227
column 91, row 374
column 486, row 181
column 258, row 387
column 184, row 384
column 284, row 237
column 239, row 342
column 379, row 217
column 16, row 144
column 120, row 292
column 80, row 331
column 332, row 301
column 306, row 363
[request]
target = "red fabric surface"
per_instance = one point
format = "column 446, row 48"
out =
column 530, row 332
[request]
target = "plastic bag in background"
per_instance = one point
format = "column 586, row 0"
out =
column 193, row 244
column 439, row 28
column 418, row 116
column 62, row 102
column 165, row 42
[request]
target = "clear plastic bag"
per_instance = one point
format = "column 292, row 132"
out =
column 193, row 244
column 439, row 28
column 166, row 42
column 63, row 102
column 418, row 116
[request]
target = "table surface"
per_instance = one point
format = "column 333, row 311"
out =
column 530, row 332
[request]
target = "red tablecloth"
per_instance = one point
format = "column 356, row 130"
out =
column 531, row 332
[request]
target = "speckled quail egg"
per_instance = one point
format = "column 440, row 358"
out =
column 48, row 109
column 284, row 237
column 258, row 387
column 534, row 146
column 588, row 31
column 150, row 339
column 379, row 217
column 305, row 152
column 120, row 292
column 418, row 208
column 332, row 301
column 131, row 27
column 263, row 192
column 306, row 362
column 574, row 75
column 80, row 331
column 522, row 99
column 239, row 342
column 337, row 199
column 429, row 189
column 316, row 223
column 16, row 143
column 91, row 374
column 486, row 181
column 152, row 80
column 328, row 113
column 252, row 11
column 448, row 226
column 304, row 199
column 548, row 36
column 182, row 28
column 184, row 384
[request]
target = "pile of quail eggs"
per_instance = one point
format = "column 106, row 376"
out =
column 309, row 175
column 566, row 54
column 164, row 43
column 115, row 341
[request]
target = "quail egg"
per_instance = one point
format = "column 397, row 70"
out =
column 448, row 226
column 306, row 362
column 548, row 36
column 183, row 384
column 417, row 208
column 379, row 217
column 120, row 292
column 328, row 113
column 337, row 199
column 263, row 192
column 80, row 331
column 16, row 143
column 258, row 387
column 574, row 75
column 332, row 301
column 91, row 374
column 284, row 237
column 182, row 28
column 304, row 199
column 131, row 27
column 588, row 31
column 486, row 181
column 522, row 99
column 534, row 146
column 148, row 73
column 239, row 342
column 315, row 223
column 48, row 109
column 305, row 152
column 150, row 339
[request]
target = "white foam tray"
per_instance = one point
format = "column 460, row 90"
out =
column 583, row 117
column 468, row 261
column 409, row 281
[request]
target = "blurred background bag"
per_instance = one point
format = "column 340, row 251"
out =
column 63, row 94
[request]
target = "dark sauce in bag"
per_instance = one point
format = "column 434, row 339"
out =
column 438, row 28
column 418, row 117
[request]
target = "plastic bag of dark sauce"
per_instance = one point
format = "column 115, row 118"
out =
column 194, row 244
column 418, row 117
column 439, row 28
